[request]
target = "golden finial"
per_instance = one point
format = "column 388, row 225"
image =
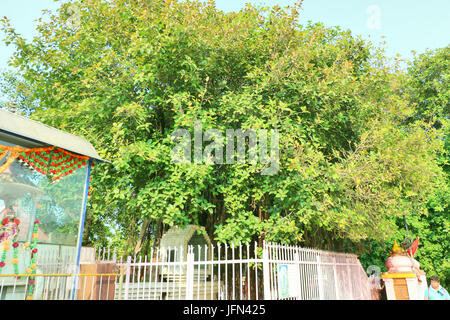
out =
column 396, row 248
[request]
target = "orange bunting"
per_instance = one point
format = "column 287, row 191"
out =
column 52, row 161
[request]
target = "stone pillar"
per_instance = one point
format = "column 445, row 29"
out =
column 389, row 285
column 413, row 288
column 422, row 285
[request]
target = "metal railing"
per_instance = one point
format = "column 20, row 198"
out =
column 222, row 272
column 242, row 272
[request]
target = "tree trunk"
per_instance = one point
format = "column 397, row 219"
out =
column 158, row 233
column 142, row 234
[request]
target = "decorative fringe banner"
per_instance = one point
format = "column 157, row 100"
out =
column 50, row 161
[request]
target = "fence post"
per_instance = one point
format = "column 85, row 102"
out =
column 190, row 275
column 266, row 275
column 319, row 277
column 127, row 277
column 297, row 262
column 349, row 280
column 119, row 297
column 76, row 282
column 336, row 286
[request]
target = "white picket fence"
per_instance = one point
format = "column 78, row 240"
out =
column 222, row 272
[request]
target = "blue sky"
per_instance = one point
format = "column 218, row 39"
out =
column 405, row 24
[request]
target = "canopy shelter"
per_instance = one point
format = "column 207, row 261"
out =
column 32, row 134
column 38, row 213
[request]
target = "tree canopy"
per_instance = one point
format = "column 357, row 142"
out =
column 428, row 90
column 130, row 73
